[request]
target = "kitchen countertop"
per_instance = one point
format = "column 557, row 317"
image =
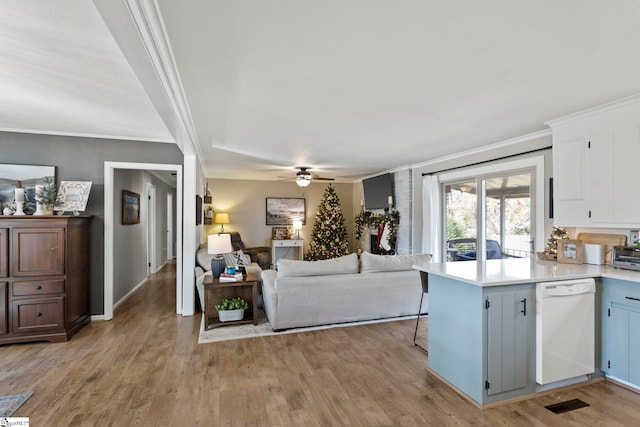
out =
column 511, row 271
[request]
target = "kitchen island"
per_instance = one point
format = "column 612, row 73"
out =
column 482, row 322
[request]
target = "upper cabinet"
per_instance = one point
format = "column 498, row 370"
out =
column 595, row 154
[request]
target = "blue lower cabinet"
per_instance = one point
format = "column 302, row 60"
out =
column 621, row 330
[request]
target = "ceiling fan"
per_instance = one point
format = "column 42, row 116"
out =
column 304, row 177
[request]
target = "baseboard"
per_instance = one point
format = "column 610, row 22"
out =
column 97, row 318
column 131, row 292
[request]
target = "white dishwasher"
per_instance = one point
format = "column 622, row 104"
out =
column 565, row 329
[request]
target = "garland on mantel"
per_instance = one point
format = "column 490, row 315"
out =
column 369, row 219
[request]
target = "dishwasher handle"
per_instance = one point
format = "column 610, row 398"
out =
column 633, row 299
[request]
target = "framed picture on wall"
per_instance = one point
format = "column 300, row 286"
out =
column 130, row 207
column 285, row 210
column 198, row 210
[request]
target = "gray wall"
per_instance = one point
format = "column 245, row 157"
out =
column 82, row 159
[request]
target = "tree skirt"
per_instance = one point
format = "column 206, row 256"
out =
column 10, row 404
column 263, row 329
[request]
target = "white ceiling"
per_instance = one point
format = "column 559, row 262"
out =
column 349, row 87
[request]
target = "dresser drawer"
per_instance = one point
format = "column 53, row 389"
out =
column 287, row 243
column 37, row 287
column 37, row 314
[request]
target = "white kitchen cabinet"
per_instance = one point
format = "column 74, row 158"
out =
column 594, row 159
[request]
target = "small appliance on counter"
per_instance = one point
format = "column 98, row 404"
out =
column 626, row 257
column 593, row 254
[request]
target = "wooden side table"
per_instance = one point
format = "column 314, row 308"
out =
column 215, row 291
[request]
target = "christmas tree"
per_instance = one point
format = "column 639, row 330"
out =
column 329, row 235
column 558, row 233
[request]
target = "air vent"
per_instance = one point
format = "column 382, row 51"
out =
column 569, row 405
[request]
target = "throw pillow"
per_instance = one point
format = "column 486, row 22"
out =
column 347, row 264
column 236, row 258
column 372, row 263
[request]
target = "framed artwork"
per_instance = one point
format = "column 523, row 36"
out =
column 285, row 210
column 73, row 195
column 130, row 207
column 570, row 251
column 278, row 233
column 30, row 176
column 198, row 210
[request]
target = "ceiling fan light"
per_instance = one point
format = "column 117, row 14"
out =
column 303, row 181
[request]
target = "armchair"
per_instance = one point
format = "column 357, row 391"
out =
column 258, row 254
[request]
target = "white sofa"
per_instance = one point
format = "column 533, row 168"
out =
column 345, row 289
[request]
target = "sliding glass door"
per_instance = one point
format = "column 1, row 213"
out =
column 489, row 217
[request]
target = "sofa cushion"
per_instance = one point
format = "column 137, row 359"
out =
column 203, row 259
column 372, row 263
column 236, row 258
column 347, row 264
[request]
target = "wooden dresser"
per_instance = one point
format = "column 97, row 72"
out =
column 44, row 277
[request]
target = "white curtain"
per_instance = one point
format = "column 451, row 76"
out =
column 431, row 218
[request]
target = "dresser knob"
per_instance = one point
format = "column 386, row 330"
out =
column 38, row 288
column 39, row 315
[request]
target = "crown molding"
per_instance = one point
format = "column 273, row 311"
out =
column 88, row 135
column 619, row 103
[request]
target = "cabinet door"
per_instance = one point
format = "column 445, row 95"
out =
column 3, row 308
column 627, row 153
column 4, row 255
column 619, row 343
column 570, row 192
column 600, row 177
column 634, row 348
column 508, row 336
column 38, row 251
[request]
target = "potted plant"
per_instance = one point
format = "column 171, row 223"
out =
column 47, row 196
column 231, row 309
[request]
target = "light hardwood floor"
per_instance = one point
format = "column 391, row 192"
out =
column 146, row 368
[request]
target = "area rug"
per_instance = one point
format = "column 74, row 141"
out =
column 263, row 329
column 10, row 404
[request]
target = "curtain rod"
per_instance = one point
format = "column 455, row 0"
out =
column 487, row 161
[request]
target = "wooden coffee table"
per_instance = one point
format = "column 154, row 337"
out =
column 215, row 291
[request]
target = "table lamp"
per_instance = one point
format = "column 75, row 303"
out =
column 221, row 218
column 218, row 244
column 297, row 225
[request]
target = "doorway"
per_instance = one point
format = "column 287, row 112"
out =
column 109, row 221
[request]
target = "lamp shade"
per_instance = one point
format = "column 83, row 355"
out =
column 221, row 218
column 297, row 224
column 219, row 244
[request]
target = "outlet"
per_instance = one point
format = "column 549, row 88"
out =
column 634, row 237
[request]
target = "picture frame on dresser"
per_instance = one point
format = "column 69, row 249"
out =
column 570, row 251
column 73, row 196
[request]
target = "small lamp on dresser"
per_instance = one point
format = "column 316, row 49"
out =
column 218, row 244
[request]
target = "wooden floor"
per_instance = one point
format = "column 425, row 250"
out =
column 146, row 368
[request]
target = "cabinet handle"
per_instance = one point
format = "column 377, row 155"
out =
column 632, row 298
column 524, row 306
column 38, row 288
column 39, row 315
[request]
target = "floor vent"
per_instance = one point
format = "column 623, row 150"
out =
column 569, row 405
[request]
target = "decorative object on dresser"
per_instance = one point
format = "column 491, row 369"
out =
column 44, row 278
column 73, row 196
column 218, row 244
column 130, row 207
column 280, row 233
column 297, row 226
column 30, row 176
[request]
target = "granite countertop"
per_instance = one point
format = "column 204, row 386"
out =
column 511, row 271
